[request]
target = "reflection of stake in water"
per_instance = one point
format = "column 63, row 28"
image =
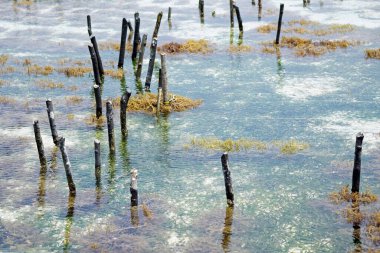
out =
column 123, row 147
column 53, row 159
column 111, row 170
column 69, row 222
column 123, row 85
column 41, row 187
column 356, row 236
column 227, row 230
column 280, row 68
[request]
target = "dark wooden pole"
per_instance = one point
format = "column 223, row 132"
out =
column 159, row 92
column 279, row 24
column 123, row 112
column 40, row 145
column 253, row 2
column 99, row 60
column 123, row 38
column 141, row 56
column 98, row 101
column 227, row 180
column 95, row 65
column 111, row 135
column 51, row 115
column 164, row 81
column 152, row 57
column 357, row 163
column 157, row 27
column 67, row 165
column 201, row 6
column 260, row 10
column 133, row 188
column 136, row 38
column 130, row 26
column 98, row 163
column 89, row 25
column 239, row 18
column 170, row 13
column 232, row 13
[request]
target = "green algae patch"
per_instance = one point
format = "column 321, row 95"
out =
column 290, row 147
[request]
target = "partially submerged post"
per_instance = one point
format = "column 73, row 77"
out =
column 110, row 126
column 201, row 10
column 164, row 80
column 239, row 18
column 40, row 145
column 123, row 38
column 66, row 163
column 123, row 112
column 157, row 27
column 232, row 13
column 99, row 60
column 98, row 163
column 260, row 10
column 227, row 180
column 141, row 56
column 152, row 57
column 89, row 25
column 136, row 38
column 253, row 2
column 51, row 115
column 170, row 13
column 159, row 92
column 133, row 188
column 98, row 101
column 357, row 163
column 279, row 24
column 95, row 66
column 130, row 26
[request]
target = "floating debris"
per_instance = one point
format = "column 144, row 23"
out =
column 49, row 84
column 372, row 53
column 190, row 46
column 40, row 70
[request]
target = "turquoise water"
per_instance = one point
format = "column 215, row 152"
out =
column 281, row 200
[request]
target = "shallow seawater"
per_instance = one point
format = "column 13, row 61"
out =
column 281, row 201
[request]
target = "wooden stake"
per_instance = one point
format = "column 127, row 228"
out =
column 253, row 2
column 123, row 112
column 152, row 57
column 260, row 10
column 141, row 56
column 239, row 18
column 51, row 115
column 157, row 27
column 95, row 65
column 66, row 163
column 164, row 79
column 227, row 180
column 357, row 163
column 99, row 60
column 123, row 38
column 159, row 94
column 201, row 10
column 98, row 163
column 232, row 13
column 98, row 100
column 111, row 135
column 89, row 25
column 279, row 24
column 130, row 26
column 133, row 188
column 136, row 38
column 170, row 13
column 40, row 145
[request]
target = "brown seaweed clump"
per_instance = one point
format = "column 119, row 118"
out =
column 49, row 84
column 372, row 53
column 40, row 70
column 7, row 100
column 302, row 22
column 3, row 59
column 239, row 49
column 190, row 46
column 93, row 120
column 345, row 195
column 76, row 71
column 114, row 45
column 228, row 145
column 373, row 228
column 266, row 28
column 117, row 74
column 73, row 100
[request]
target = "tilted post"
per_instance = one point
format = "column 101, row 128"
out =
column 227, row 180
column 357, row 163
column 40, row 145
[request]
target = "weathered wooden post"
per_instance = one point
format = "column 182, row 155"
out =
column 159, row 92
column 152, row 57
column 201, row 10
column 123, row 38
column 170, row 13
column 136, row 38
column 89, row 25
column 51, row 115
column 111, row 135
column 279, row 24
column 253, row 2
column 164, row 81
column 130, row 26
column 99, row 60
column 227, row 180
column 239, row 18
column 98, row 101
column 95, row 66
column 40, row 145
column 157, row 27
column 133, row 188
column 67, row 165
column 232, row 13
column 98, row 163
column 141, row 56
column 260, row 10
column 123, row 112
column 357, row 163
